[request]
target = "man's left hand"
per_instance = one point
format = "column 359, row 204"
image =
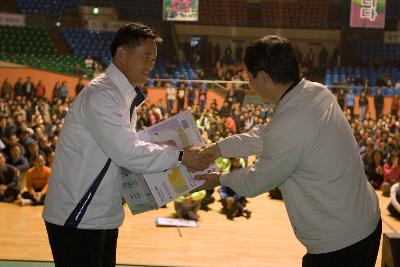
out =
column 192, row 161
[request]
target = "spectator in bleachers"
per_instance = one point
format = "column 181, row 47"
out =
column 341, row 99
column 6, row 89
column 349, row 102
column 28, row 88
column 323, row 57
column 37, row 183
column 363, row 105
column 225, row 110
column 8, row 181
column 40, row 90
column 395, row 105
column 230, row 97
column 190, row 95
column 18, row 88
column 203, row 96
column 171, row 96
column 64, row 91
column 56, row 90
column 378, row 102
column 79, row 86
column 239, row 95
column 180, row 96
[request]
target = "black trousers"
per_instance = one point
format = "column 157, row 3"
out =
column 26, row 195
column 360, row 254
column 82, row 248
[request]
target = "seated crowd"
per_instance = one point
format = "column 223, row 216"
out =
column 29, row 127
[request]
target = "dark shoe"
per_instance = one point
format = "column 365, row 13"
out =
column 204, row 206
column 230, row 215
column 247, row 214
column 193, row 216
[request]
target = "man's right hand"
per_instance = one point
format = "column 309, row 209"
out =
column 192, row 161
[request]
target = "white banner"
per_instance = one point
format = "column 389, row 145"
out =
column 391, row 38
column 106, row 26
column 12, row 19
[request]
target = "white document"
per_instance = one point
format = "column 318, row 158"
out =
column 160, row 221
column 144, row 192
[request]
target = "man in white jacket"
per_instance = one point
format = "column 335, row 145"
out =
column 308, row 150
column 83, row 207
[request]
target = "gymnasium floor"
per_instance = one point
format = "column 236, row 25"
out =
column 266, row 239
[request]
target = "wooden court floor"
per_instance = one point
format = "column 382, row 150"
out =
column 266, row 239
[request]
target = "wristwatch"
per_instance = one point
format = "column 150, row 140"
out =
column 180, row 158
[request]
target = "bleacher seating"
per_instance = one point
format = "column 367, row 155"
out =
column 45, row 7
column 301, row 14
column 340, row 75
column 392, row 11
column 183, row 70
column 223, row 12
column 25, row 40
column 369, row 51
column 85, row 43
column 138, row 10
column 33, row 47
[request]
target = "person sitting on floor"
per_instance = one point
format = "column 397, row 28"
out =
column 233, row 205
column 186, row 206
column 37, row 183
column 394, row 203
column 8, row 181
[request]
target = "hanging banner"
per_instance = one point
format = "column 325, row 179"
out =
column 391, row 38
column 12, row 19
column 105, row 26
column 181, row 10
column 367, row 13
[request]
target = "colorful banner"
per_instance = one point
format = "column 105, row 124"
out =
column 367, row 13
column 181, row 10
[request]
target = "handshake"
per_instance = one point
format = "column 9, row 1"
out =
column 200, row 158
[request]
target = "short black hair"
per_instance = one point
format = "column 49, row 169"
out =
column 274, row 55
column 133, row 34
